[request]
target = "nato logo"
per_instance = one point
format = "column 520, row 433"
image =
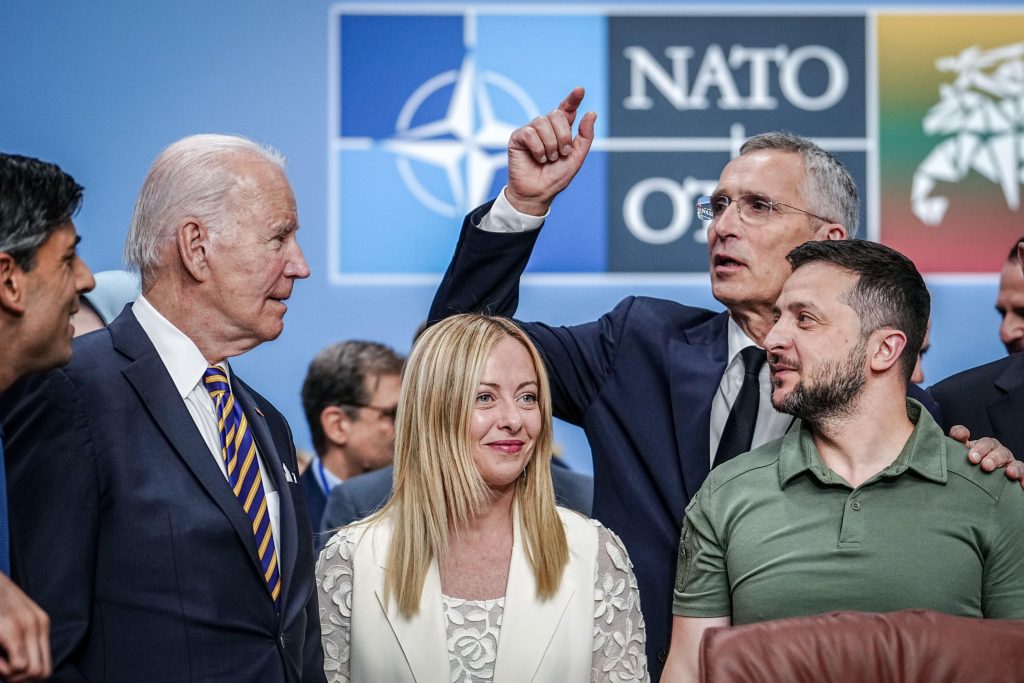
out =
column 422, row 103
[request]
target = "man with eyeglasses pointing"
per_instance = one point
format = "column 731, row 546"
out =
column 664, row 391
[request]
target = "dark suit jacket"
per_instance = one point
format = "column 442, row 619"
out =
column 640, row 381
column 315, row 498
column 988, row 400
column 130, row 538
column 363, row 495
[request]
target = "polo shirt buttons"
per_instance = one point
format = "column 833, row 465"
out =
column 855, row 505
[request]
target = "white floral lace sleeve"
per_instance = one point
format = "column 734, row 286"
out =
column 334, row 590
column 620, row 635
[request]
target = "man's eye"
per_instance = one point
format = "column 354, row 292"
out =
column 759, row 206
column 719, row 205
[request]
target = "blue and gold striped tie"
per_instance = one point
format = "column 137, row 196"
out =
column 239, row 452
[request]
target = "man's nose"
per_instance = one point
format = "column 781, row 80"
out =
column 84, row 281
column 297, row 266
column 1012, row 327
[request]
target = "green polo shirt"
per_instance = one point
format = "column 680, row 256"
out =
column 775, row 533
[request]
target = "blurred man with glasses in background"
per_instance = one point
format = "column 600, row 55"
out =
column 350, row 396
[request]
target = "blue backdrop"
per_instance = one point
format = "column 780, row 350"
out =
column 101, row 87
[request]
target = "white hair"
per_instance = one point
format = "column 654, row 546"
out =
column 192, row 177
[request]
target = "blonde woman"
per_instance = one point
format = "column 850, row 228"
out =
column 470, row 572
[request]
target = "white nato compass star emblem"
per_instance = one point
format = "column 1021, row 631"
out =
column 468, row 144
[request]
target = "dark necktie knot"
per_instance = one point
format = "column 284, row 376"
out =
column 753, row 359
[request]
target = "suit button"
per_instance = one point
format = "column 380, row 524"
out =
column 662, row 655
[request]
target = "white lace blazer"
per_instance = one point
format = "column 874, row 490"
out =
column 590, row 630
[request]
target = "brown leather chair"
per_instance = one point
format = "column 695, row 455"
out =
column 912, row 646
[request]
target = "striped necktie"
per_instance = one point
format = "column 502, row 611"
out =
column 239, row 452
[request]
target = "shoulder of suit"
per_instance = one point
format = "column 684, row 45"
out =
column 651, row 315
column 577, row 523
column 981, row 376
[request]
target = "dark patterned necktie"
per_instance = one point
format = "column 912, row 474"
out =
column 238, row 449
column 739, row 428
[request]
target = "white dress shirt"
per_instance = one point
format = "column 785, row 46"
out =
column 185, row 364
column 770, row 424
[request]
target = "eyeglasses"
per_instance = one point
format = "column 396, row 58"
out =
column 753, row 208
column 386, row 413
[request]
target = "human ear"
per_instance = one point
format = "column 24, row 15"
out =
column 889, row 345
column 336, row 424
column 12, row 285
column 192, row 239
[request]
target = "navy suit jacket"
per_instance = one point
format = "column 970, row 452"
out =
column 363, row 495
column 988, row 400
column 129, row 537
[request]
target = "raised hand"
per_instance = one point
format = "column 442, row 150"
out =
column 543, row 156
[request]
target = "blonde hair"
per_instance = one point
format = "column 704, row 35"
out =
column 437, row 485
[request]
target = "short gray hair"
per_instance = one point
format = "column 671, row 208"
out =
column 829, row 189
column 192, row 177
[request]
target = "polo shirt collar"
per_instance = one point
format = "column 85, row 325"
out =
column 924, row 453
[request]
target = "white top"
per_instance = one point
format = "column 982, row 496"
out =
column 185, row 364
column 473, row 627
column 770, row 424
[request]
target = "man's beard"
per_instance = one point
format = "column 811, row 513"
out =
column 829, row 391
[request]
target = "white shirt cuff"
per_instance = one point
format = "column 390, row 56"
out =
column 503, row 218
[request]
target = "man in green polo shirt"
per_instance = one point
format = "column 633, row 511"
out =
column 865, row 504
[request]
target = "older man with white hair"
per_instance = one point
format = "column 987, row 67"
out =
column 166, row 534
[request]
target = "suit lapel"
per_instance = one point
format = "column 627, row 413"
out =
column 527, row 624
column 423, row 638
column 1007, row 412
column 149, row 378
column 697, row 363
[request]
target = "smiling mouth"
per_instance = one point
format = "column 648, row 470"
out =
column 511, row 447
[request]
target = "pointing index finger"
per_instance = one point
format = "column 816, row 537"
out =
column 571, row 103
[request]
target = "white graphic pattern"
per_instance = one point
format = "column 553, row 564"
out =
column 983, row 109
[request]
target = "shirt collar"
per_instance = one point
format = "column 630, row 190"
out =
column 738, row 340
column 327, row 479
column 184, row 361
column 924, row 452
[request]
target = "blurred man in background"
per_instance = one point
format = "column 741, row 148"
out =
column 1010, row 303
column 350, row 396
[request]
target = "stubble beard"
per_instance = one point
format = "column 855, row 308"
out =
column 830, row 393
